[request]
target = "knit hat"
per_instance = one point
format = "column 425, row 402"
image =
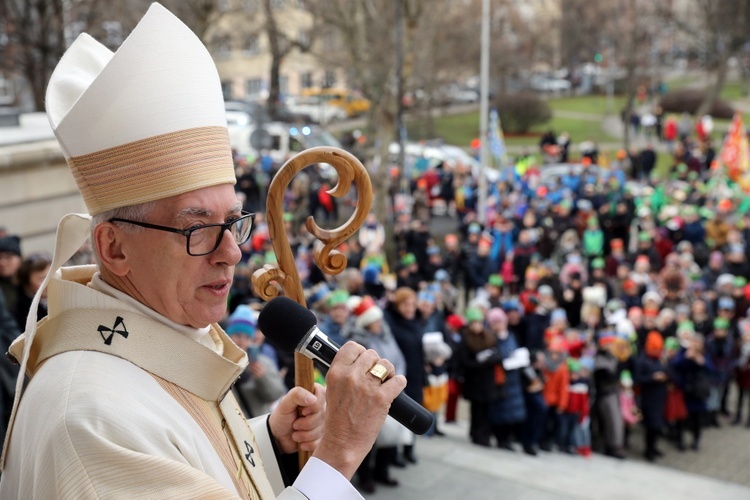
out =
column 558, row 315
column 366, row 313
column 10, row 244
column 726, row 303
column 371, row 273
column 144, row 123
column 546, row 290
column 654, row 344
column 597, row 263
column 574, row 366
column 338, row 298
column 408, row 259
column 455, row 321
column 442, row 275
column 626, row 379
column 243, row 321
column 496, row 315
column 721, row 324
column 474, row 314
column 426, row 297
column 671, row 343
column 496, row 280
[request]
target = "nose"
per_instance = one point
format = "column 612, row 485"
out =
column 228, row 252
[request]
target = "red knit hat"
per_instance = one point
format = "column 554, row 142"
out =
column 366, row 313
column 455, row 321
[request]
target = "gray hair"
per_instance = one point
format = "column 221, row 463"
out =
column 132, row 212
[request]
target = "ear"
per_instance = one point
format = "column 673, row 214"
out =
column 108, row 240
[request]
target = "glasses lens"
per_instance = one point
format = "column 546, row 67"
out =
column 242, row 228
column 203, row 240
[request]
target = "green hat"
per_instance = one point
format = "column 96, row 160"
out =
column 740, row 281
column 408, row 259
column 686, row 325
column 574, row 365
column 706, row 213
column 597, row 263
column 682, row 168
column 671, row 344
column 288, row 217
column 496, row 280
column 337, row 298
column 644, row 236
column 721, row 323
column 474, row 314
column 625, row 376
column 592, row 222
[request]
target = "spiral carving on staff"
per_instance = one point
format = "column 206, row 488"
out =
column 350, row 171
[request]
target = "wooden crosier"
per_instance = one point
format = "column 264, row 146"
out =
column 272, row 280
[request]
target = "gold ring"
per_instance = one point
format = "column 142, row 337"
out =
column 379, row 371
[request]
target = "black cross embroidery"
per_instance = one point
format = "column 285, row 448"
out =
column 119, row 327
column 250, row 451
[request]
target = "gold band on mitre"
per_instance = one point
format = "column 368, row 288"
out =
column 154, row 168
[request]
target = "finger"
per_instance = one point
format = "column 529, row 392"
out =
column 366, row 360
column 348, row 353
column 295, row 398
column 389, row 367
column 395, row 385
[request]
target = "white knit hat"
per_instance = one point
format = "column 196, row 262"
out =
column 144, row 123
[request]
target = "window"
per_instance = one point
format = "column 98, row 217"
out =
column 250, row 5
column 7, row 96
column 222, row 46
column 303, row 38
column 330, row 79
column 254, row 87
column 252, row 45
column 283, row 84
column 306, row 80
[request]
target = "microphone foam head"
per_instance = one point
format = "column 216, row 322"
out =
column 285, row 323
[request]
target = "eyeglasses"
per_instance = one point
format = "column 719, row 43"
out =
column 203, row 240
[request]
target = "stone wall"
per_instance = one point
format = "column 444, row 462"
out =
column 36, row 190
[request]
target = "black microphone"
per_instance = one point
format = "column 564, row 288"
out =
column 290, row 327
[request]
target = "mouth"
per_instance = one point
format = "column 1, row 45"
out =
column 220, row 287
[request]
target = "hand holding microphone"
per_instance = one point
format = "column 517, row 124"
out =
column 357, row 398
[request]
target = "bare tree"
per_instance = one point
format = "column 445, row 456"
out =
column 36, row 41
column 722, row 28
column 366, row 48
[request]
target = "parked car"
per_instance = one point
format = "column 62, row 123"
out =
column 351, row 102
column 319, row 109
column 542, row 83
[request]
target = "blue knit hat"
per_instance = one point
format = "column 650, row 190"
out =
column 242, row 322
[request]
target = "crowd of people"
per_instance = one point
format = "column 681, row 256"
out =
column 572, row 311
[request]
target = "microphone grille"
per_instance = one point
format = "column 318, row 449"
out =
column 284, row 323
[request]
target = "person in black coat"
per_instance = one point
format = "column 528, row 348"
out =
column 694, row 372
column 478, row 355
column 401, row 316
column 8, row 371
column 651, row 375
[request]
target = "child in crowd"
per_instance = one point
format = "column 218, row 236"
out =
column 557, row 377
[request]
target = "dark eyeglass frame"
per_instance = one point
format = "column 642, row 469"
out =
column 226, row 226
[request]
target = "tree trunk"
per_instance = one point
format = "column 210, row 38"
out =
column 385, row 125
column 712, row 92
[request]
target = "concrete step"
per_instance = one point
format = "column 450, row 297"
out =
column 451, row 468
